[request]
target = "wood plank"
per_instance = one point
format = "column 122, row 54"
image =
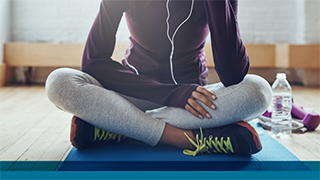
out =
column 6, row 74
column 36, row 155
column 209, row 56
column 32, row 101
column 10, row 118
column 45, row 140
column 33, row 153
column 24, row 142
column 282, row 56
column 43, row 54
column 314, row 140
column 261, row 55
column 39, row 147
column 70, row 55
column 307, row 99
column 7, row 92
column 306, row 56
column 58, row 150
column 60, row 147
column 50, row 55
column 297, row 147
column 23, row 122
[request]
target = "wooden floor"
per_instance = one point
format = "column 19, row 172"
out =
column 34, row 130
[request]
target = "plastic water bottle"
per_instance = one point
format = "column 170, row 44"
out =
column 281, row 120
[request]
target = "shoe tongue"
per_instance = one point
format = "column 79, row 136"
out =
column 215, row 132
column 195, row 132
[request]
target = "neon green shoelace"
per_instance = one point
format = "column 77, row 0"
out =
column 203, row 145
column 106, row 135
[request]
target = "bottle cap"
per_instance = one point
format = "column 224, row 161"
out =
column 281, row 75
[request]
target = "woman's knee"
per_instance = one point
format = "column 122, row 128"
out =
column 259, row 91
column 56, row 82
column 62, row 81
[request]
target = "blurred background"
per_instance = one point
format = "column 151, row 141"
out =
column 69, row 21
column 38, row 36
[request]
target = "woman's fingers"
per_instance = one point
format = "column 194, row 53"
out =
column 192, row 111
column 201, row 94
column 196, row 106
column 206, row 92
column 203, row 99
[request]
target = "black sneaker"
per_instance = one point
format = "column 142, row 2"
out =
column 238, row 138
column 83, row 135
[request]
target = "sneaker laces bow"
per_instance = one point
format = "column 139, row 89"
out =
column 203, row 145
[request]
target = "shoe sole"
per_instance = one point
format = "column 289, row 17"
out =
column 254, row 134
column 73, row 133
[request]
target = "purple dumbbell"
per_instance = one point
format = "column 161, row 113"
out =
column 310, row 120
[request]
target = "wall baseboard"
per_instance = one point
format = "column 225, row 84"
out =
column 6, row 75
column 53, row 55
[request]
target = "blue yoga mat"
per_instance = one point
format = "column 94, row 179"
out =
column 133, row 156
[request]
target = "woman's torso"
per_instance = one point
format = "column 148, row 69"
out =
column 150, row 47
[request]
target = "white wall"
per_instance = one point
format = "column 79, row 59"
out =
column 52, row 20
column 261, row 21
column 66, row 21
column 279, row 21
column 267, row 21
column 4, row 25
column 312, row 24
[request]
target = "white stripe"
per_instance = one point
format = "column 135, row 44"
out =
column 174, row 34
column 131, row 66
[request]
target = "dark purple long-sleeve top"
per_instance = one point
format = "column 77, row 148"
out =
column 145, row 69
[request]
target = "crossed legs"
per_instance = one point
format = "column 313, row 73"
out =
column 82, row 95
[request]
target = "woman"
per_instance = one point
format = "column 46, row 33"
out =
column 159, row 92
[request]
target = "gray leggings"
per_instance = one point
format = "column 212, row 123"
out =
column 80, row 94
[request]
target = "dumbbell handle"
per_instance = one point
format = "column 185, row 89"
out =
column 310, row 120
column 298, row 111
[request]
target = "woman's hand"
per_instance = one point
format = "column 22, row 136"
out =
column 203, row 95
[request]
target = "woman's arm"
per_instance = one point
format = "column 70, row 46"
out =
column 230, row 57
column 112, row 75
